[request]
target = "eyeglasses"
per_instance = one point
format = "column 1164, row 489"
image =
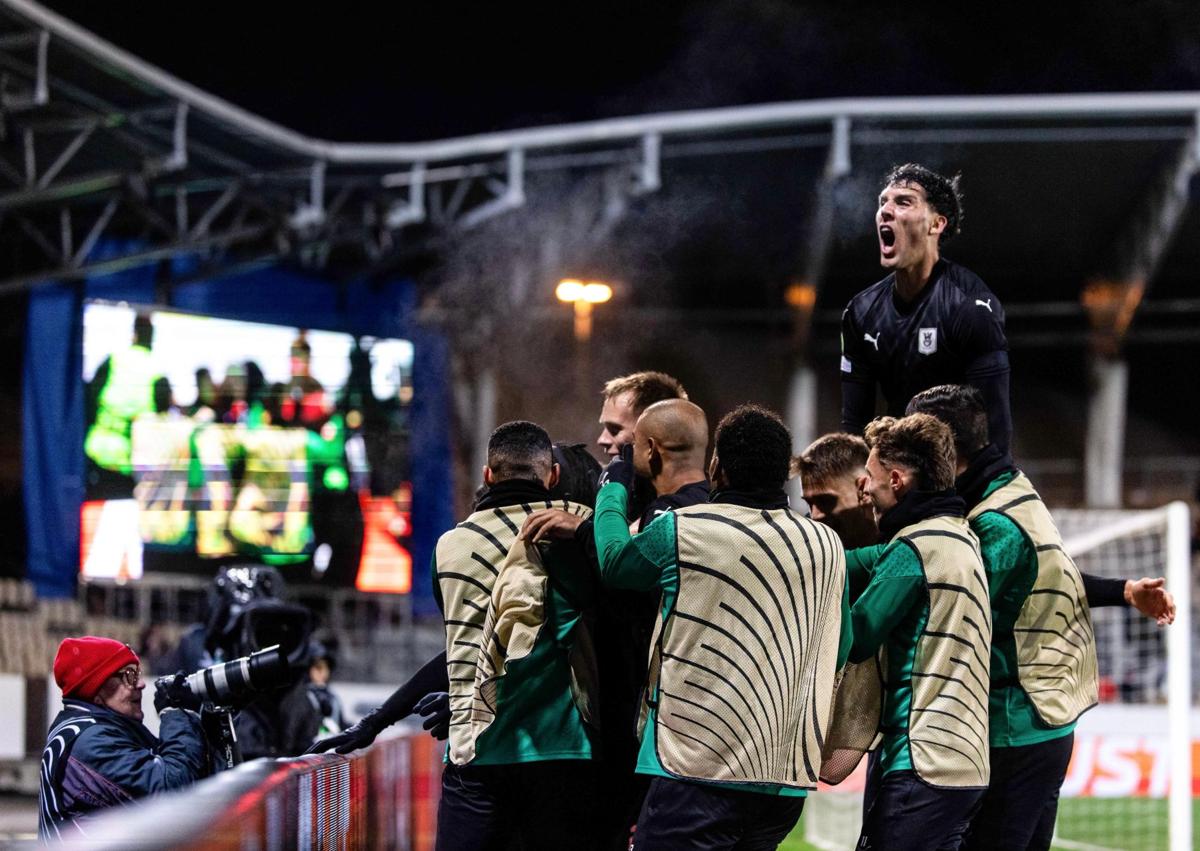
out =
column 130, row 676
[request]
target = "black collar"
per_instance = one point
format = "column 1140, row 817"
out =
column 512, row 492
column 986, row 465
column 766, row 498
column 917, row 505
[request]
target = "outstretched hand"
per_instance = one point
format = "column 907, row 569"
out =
column 1151, row 598
column 356, row 736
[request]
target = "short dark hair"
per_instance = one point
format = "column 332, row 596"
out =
column 917, row 442
column 959, row 406
column 832, row 455
column 645, row 389
column 754, row 447
column 578, row 474
column 943, row 193
column 520, row 450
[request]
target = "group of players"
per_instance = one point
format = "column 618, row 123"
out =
column 672, row 656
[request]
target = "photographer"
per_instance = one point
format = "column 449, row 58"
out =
column 98, row 753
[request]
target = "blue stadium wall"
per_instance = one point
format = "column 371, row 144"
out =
column 53, row 411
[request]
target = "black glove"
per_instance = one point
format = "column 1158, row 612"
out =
column 619, row 470
column 173, row 692
column 435, row 709
column 353, row 737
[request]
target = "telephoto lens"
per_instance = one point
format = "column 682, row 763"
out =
column 220, row 683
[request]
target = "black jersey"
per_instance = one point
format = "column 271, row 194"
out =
column 952, row 333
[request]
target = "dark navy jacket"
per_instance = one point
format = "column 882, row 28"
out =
column 96, row 758
column 952, row 333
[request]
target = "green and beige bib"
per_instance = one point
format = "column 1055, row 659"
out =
column 948, row 719
column 1056, row 646
column 494, row 596
column 743, row 667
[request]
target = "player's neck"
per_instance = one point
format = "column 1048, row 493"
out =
column 672, row 479
column 910, row 280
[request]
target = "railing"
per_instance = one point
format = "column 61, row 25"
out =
column 385, row 797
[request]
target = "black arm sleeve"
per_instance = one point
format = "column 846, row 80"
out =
column 994, row 387
column 858, row 405
column 432, row 677
column 858, row 381
column 1103, row 592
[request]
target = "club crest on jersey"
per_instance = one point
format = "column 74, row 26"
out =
column 926, row 340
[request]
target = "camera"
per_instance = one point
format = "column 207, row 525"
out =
column 225, row 682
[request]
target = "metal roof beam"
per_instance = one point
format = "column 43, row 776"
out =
column 761, row 116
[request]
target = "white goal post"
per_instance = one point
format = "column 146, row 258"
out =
column 1130, row 782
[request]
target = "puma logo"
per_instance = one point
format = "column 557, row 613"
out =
column 874, row 341
column 987, row 304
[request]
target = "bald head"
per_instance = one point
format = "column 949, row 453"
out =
column 670, row 439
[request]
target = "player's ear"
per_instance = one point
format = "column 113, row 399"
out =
column 488, row 478
column 895, row 479
column 555, row 472
column 938, row 225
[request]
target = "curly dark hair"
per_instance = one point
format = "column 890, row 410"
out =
column 959, row 406
column 754, row 447
column 943, row 193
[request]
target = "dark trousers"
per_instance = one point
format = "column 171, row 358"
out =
column 907, row 814
column 534, row 806
column 682, row 816
column 1020, row 805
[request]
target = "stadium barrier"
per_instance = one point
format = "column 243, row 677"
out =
column 382, row 798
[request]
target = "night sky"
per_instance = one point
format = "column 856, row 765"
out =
column 415, row 71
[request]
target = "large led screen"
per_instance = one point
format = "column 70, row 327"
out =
column 211, row 442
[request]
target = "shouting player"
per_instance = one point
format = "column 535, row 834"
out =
column 930, row 321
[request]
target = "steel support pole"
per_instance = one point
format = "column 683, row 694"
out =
column 1104, row 449
column 801, row 417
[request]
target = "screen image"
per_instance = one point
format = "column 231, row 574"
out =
column 211, row 441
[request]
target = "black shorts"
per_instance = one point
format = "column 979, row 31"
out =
column 1020, row 805
column 907, row 814
column 682, row 816
column 535, row 806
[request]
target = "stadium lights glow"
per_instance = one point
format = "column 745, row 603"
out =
column 593, row 292
column 582, row 296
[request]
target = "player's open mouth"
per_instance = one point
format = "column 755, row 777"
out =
column 887, row 237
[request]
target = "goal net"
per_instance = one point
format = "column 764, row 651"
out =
column 1131, row 780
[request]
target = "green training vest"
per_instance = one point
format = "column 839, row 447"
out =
column 1056, row 646
column 470, row 558
column 743, row 668
column 948, row 720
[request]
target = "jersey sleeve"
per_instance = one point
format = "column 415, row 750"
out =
column 858, row 377
column 846, row 640
column 637, row 563
column 979, row 336
column 860, row 565
column 895, row 587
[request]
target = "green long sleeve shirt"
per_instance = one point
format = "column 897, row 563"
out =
column 648, row 561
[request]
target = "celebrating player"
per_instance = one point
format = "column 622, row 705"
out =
column 926, row 607
column 930, row 321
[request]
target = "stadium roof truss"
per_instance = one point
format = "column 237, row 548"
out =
column 96, row 144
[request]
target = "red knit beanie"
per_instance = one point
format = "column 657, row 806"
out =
column 83, row 664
